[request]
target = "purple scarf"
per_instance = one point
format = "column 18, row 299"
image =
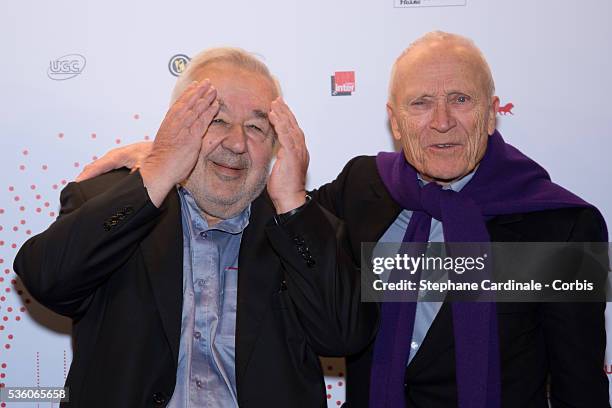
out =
column 506, row 182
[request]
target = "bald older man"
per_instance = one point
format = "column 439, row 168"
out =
column 456, row 180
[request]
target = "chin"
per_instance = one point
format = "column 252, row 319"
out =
column 225, row 199
column 446, row 176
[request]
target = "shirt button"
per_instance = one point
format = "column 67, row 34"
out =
column 199, row 383
column 414, row 345
column 197, row 335
column 201, row 282
column 203, row 234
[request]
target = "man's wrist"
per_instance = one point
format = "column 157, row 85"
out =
column 288, row 202
column 284, row 217
column 156, row 187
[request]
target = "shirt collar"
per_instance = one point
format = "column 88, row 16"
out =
column 234, row 225
column 456, row 185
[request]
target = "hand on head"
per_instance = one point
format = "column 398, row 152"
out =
column 177, row 144
column 286, row 185
column 171, row 157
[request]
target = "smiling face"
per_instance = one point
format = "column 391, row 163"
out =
column 441, row 109
column 237, row 149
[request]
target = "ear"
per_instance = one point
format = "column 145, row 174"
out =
column 393, row 122
column 492, row 120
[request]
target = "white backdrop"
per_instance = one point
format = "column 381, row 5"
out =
column 551, row 59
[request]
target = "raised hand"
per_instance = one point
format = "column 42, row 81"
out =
column 287, row 182
column 178, row 141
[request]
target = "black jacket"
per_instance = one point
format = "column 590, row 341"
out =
column 113, row 263
column 562, row 340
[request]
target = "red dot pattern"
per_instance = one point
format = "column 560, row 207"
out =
column 334, row 370
column 34, row 188
column 65, row 365
column 37, row 369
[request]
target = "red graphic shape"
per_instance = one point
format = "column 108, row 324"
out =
column 344, row 82
column 506, row 109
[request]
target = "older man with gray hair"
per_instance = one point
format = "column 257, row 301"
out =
column 189, row 285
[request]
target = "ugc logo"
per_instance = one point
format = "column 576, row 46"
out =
column 177, row 64
column 66, row 67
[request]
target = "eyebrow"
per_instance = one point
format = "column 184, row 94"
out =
column 260, row 114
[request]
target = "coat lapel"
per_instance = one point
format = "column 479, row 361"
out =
column 162, row 251
column 378, row 208
column 259, row 276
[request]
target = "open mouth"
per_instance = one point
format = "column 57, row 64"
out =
column 444, row 146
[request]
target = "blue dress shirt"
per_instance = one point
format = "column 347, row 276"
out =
column 206, row 368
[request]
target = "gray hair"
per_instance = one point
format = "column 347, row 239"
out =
column 236, row 57
column 450, row 38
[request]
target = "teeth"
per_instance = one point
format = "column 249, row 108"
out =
column 443, row 145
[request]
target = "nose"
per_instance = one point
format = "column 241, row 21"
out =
column 442, row 120
column 235, row 140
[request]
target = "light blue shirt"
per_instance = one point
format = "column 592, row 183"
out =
column 206, row 368
column 426, row 312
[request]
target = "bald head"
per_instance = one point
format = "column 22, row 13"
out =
column 441, row 46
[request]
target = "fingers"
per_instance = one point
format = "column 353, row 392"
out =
column 203, row 121
column 284, row 109
column 199, row 106
column 129, row 156
column 97, row 167
column 194, row 91
column 285, row 125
